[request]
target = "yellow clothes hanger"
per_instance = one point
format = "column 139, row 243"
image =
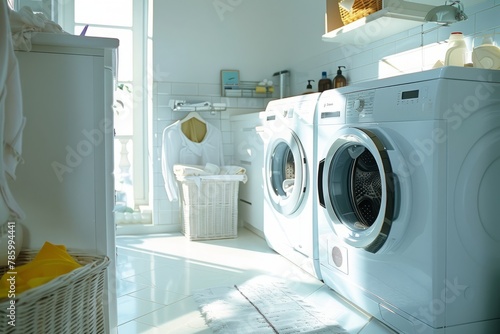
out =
column 194, row 127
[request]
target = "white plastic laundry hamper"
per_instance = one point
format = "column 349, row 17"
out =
column 209, row 206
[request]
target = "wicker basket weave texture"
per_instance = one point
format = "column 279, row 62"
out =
column 209, row 209
column 69, row 304
column 360, row 9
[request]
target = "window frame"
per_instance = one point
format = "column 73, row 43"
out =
column 141, row 83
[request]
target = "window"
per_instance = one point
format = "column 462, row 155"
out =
column 126, row 20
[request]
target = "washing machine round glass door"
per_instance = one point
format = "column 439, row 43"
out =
column 356, row 187
column 285, row 172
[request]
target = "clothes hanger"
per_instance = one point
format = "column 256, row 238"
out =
column 195, row 115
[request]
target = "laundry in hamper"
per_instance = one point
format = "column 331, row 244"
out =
column 51, row 261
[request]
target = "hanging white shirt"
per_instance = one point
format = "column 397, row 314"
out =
column 179, row 149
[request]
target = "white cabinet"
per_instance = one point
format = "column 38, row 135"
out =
column 65, row 185
column 249, row 153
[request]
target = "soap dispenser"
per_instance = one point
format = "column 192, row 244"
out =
column 486, row 55
column 324, row 83
column 309, row 88
column 339, row 80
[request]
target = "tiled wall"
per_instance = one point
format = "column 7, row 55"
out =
column 166, row 213
column 413, row 50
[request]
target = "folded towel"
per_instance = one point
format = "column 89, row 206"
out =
column 50, row 262
column 232, row 170
column 193, row 170
column 212, row 169
column 196, row 173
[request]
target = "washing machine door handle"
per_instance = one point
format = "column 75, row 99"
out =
column 321, row 197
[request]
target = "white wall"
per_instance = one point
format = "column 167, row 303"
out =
column 195, row 39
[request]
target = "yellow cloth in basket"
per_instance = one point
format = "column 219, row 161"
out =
column 50, row 262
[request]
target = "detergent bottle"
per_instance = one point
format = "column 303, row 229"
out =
column 456, row 54
column 486, row 55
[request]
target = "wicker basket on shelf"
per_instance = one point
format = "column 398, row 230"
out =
column 71, row 303
column 360, row 9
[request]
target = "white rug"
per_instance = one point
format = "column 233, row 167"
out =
column 261, row 306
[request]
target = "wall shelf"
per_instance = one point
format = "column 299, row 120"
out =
column 249, row 89
column 396, row 16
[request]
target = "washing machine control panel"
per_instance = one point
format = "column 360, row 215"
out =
column 331, row 108
column 412, row 101
column 411, row 96
column 359, row 106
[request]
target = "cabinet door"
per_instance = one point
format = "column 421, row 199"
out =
column 55, row 185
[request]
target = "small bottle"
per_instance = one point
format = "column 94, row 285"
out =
column 339, row 80
column 457, row 51
column 309, row 87
column 324, row 83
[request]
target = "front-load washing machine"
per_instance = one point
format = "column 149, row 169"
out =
column 289, row 174
column 408, row 196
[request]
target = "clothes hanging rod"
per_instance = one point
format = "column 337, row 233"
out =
column 183, row 105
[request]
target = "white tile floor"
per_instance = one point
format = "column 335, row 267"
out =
column 157, row 275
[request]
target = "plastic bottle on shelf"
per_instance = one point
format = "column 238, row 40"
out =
column 456, row 54
column 339, row 80
column 324, row 83
column 486, row 55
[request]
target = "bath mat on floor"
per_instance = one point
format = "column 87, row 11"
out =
column 261, row 306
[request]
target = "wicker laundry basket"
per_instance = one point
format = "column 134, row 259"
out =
column 68, row 304
column 209, row 206
column 360, row 9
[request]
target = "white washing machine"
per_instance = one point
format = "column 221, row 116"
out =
column 289, row 174
column 408, row 196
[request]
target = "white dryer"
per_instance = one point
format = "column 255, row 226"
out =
column 408, row 196
column 289, row 174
